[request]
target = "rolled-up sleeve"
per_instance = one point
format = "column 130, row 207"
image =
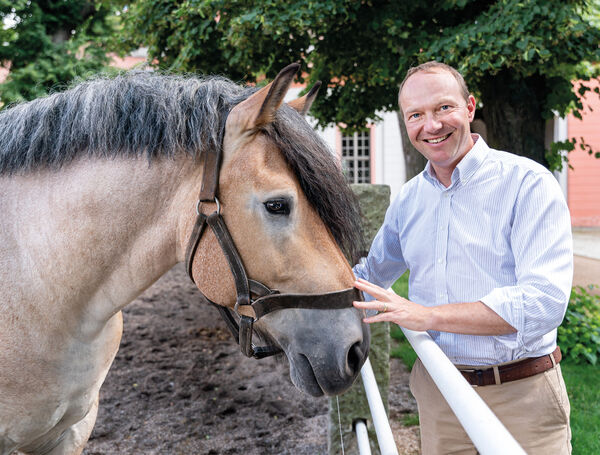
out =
column 541, row 243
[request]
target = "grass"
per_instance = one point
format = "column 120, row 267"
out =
column 584, row 394
column 582, row 380
column 410, row 420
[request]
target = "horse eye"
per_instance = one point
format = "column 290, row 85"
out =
column 278, row 207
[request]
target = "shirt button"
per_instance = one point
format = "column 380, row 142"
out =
column 440, row 260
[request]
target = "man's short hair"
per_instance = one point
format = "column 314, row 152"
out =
column 434, row 67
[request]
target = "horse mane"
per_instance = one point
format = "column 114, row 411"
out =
column 157, row 115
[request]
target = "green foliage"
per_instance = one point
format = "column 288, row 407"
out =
column 537, row 49
column 557, row 155
column 579, row 334
column 48, row 44
column 584, row 395
column 361, row 50
column 401, row 348
column 410, row 420
column 400, row 287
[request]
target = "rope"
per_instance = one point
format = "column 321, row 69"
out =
column 340, row 423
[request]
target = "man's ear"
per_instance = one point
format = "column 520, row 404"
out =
column 471, row 106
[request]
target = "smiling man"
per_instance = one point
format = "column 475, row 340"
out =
column 486, row 236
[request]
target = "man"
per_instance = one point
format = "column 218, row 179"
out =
column 486, row 236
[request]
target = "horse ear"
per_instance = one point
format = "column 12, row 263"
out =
column 259, row 109
column 302, row 104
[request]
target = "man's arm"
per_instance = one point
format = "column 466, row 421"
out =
column 535, row 304
column 470, row 318
column 385, row 262
column 542, row 248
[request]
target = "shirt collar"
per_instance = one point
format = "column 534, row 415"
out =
column 466, row 167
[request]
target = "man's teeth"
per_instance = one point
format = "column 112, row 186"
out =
column 439, row 139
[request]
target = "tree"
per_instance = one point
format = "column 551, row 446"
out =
column 47, row 44
column 518, row 56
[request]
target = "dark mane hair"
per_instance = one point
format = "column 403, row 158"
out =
column 154, row 115
column 320, row 177
column 137, row 113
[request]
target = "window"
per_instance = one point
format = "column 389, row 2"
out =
column 356, row 157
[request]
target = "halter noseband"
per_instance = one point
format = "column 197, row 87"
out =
column 251, row 295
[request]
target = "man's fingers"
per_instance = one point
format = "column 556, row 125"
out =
column 372, row 305
column 370, row 288
column 381, row 317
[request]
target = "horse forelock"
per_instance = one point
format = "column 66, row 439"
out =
column 320, row 178
column 157, row 115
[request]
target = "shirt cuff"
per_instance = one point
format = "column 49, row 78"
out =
column 507, row 302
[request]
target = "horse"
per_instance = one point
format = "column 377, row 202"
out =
column 98, row 196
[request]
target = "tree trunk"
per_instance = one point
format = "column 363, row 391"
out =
column 414, row 162
column 513, row 114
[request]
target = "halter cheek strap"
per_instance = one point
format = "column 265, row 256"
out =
column 265, row 300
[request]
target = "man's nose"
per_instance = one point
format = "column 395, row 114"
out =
column 432, row 123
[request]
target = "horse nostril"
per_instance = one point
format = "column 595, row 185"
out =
column 355, row 358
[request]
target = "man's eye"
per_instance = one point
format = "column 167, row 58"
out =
column 415, row 116
column 278, row 206
column 445, row 107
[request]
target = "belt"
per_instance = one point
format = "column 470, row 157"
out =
column 513, row 371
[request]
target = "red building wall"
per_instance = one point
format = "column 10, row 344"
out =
column 583, row 181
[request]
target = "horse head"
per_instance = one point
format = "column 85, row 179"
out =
column 286, row 239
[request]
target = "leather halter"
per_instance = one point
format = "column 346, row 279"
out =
column 251, row 294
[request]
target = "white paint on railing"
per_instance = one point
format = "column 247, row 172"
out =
column 362, row 437
column 385, row 438
column 483, row 427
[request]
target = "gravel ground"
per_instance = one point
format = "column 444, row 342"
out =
column 180, row 385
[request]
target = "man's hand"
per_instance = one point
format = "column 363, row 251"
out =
column 393, row 308
column 470, row 318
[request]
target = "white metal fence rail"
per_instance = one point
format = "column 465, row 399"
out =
column 483, row 427
column 362, row 437
column 488, row 434
column 385, row 438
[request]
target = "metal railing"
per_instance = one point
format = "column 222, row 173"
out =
column 385, row 438
column 488, row 434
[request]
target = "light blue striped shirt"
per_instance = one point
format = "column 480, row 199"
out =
column 500, row 234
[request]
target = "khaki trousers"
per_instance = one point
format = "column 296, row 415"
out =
column 535, row 410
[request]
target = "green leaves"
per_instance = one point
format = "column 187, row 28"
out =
column 48, row 44
column 365, row 48
column 359, row 50
column 579, row 334
column 557, row 156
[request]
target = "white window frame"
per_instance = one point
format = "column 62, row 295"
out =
column 355, row 154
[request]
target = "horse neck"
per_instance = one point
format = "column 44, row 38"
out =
column 96, row 233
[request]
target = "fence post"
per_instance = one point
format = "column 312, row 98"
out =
column 374, row 201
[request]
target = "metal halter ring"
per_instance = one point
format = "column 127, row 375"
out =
column 216, row 201
column 236, row 308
